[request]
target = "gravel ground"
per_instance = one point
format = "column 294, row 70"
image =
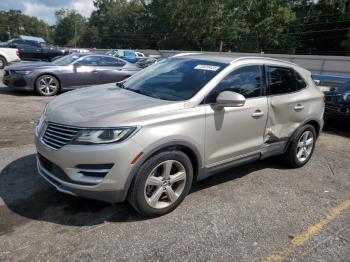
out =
column 255, row 212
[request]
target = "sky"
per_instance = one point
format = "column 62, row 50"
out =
column 45, row 9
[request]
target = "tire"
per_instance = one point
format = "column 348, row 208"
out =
column 47, row 85
column 3, row 62
column 155, row 192
column 300, row 150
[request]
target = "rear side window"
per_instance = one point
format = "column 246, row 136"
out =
column 111, row 61
column 283, row 80
column 246, row 81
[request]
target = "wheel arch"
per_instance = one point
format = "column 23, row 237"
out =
column 313, row 122
column 51, row 74
column 190, row 150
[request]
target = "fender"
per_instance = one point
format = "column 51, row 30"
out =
column 171, row 144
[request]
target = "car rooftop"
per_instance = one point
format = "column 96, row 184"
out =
column 228, row 58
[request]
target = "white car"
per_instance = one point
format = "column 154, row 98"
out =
column 8, row 55
column 139, row 55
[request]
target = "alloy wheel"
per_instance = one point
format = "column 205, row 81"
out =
column 165, row 184
column 48, row 85
column 305, row 146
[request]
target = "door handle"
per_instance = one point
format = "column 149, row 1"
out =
column 298, row 107
column 258, row 113
column 94, row 71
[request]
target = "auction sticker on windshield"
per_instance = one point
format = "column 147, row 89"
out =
column 207, row 67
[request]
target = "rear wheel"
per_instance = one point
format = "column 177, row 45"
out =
column 161, row 183
column 47, row 85
column 3, row 62
column 302, row 147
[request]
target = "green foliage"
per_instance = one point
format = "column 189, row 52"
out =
column 70, row 27
column 270, row 26
column 14, row 23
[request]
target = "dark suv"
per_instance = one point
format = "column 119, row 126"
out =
column 33, row 50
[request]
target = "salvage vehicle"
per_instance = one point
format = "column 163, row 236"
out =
column 31, row 50
column 176, row 122
column 7, row 56
column 338, row 103
column 66, row 73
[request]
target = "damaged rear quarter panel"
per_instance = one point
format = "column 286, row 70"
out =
column 284, row 119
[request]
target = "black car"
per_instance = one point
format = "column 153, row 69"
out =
column 31, row 50
column 338, row 103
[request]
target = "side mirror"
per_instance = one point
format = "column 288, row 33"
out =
column 317, row 82
column 13, row 45
column 229, row 99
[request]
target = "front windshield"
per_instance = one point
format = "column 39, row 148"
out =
column 345, row 87
column 66, row 60
column 174, row 79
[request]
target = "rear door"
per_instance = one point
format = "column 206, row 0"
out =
column 85, row 71
column 110, row 70
column 289, row 100
column 236, row 131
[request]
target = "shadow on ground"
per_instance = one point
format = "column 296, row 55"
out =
column 26, row 194
column 14, row 92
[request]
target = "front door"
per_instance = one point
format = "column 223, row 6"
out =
column 236, row 131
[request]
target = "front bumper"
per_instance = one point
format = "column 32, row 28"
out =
column 65, row 176
column 20, row 82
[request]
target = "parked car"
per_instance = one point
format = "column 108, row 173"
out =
column 140, row 55
column 126, row 54
column 66, row 73
column 8, row 55
column 30, row 50
column 175, row 122
column 145, row 62
column 338, row 103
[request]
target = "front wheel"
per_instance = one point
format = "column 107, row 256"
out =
column 302, row 147
column 47, row 85
column 2, row 62
column 161, row 183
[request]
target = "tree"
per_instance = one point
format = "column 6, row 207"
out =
column 13, row 23
column 69, row 28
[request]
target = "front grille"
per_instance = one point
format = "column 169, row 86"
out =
column 57, row 135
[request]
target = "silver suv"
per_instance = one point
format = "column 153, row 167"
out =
column 179, row 121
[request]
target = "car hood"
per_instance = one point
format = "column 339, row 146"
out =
column 30, row 65
column 106, row 106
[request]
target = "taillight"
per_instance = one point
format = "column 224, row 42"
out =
column 17, row 52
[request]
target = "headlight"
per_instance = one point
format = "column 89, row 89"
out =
column 103, row 136
column 22, row 72
column 40, row 122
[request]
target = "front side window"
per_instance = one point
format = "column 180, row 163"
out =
column 283, row 80
column 66, row 60
column 89, row 61
column 174, row 79
column 246, row 81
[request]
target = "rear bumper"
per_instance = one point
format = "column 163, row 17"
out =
column 337, row 113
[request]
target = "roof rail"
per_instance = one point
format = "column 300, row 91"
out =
column 263, row 57
column 185, row 54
